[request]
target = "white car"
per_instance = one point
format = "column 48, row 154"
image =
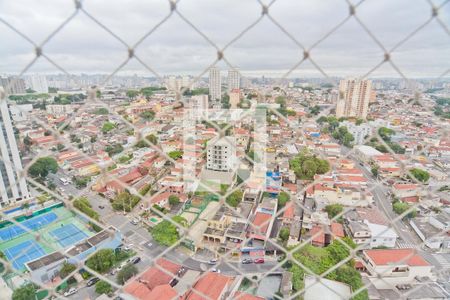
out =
column 71, row 291
column 128, row 247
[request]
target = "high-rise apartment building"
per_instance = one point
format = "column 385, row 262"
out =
column 13, row 85
column 353, row 99
column 234, row 80
column 221, row 154
column 38, row 83
column 13, row 187
column 215, row 84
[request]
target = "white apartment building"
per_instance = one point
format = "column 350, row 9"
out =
column 13, row 85
column 359, row 132
column 176, row 83
column 199, row 102
column 38, row 83
column 215, row 84
column 13, row 187
column 234, row 80
column 354, row 97
column 59, row 109
column 221, row 154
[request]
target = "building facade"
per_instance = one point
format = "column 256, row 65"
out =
column 215, row 84
column 353, row 99
column 13, row 187
column 234, row 80
column 13, row 85
column 38, row 83
column 221, row 155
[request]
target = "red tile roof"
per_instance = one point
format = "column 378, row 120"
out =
column 137, row 289
column 405, row 186
column 245, row 296
column 337, row 229
column 212, row 285
column 383, row 257
column 162, row 292
column 261, row 221
column 318, row 235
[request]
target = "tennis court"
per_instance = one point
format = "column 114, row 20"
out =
column 35, row 223
column 24, row 252
column 68, row 235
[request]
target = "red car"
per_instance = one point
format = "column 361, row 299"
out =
column 259, row 261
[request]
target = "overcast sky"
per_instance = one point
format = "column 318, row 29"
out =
column 176, row 48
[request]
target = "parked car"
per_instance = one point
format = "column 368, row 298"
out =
column 92, row 281
column 259, row 261
column 101, row 206
column 128, row 247
column 135, row 221
column 215, row 270
column 213, row 261
column 71, row 291
column 135, row 260
column 113, row 271
column 246, row 261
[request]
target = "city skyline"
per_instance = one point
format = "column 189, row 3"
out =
column 349, row 51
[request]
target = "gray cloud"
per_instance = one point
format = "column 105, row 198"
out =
column 83, row 46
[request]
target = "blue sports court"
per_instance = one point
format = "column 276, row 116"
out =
column 68, row 235
column 23, row 253
column 35, row 223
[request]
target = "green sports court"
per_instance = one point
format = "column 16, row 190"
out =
column 45, row 231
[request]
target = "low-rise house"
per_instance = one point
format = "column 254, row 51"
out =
column 213, row 286
column 395, row 266
column 154, row 284
column 369, row 226
column 431, row 232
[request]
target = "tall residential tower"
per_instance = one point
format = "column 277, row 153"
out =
column 234, row 80
column 353, row 99
column 215, row 84
column 13, row 187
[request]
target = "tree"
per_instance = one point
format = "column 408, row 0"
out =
column 165, row 233
column 314, row 110
column 283, row 198
column 103, row 287
column 180, row 220
column 132, row 94
column 174, row 200
column 43, row 166
column 85, row 206
column 102, row 261
column 386, row 133
column 375, row 171
column 126, row 273
column 26, row 292
column 175, row 154
column 419, row 174
column 125, row 201
column 81, row 181
column 333, row 210
column 305, row 165
column 343, row 136
column 284, row 234
column 235, row 198
column 148, row 115
column 113, row 149
column 66, row 269
column 27, row 141
column 400, row 207
column 107, row 127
